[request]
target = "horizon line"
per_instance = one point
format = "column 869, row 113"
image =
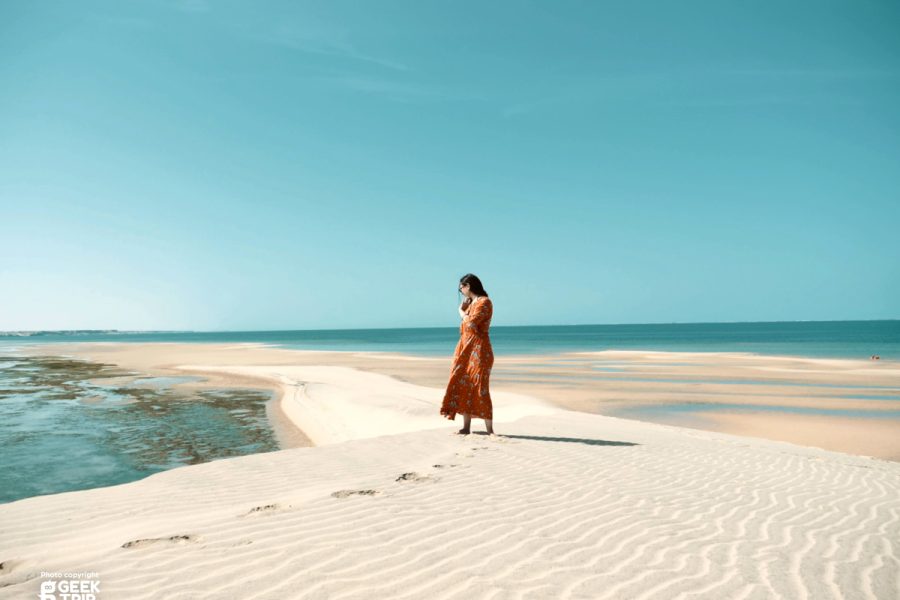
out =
column 125, row 331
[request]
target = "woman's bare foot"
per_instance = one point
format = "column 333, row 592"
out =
column 467, row 423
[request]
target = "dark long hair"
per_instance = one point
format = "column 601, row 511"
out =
column 474, row 284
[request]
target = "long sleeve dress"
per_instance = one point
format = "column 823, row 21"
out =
column 468, row 392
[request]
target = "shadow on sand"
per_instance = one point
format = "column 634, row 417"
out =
column 541, row 438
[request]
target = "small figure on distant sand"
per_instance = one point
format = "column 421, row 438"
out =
column 875, row 357
column 467, row 392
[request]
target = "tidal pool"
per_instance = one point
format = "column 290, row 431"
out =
column 62, row 429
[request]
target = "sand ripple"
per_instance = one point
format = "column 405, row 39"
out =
column 563, row 506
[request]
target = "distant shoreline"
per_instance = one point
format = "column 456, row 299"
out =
column 824, row 339
column 39, row 332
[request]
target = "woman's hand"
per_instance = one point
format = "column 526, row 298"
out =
column 464, row 307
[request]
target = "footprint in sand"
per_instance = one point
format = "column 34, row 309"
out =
column 415, row 477
column 15, row 571
column 175, row 539
column 262, row 510
column 474, row 449
column 347, row 493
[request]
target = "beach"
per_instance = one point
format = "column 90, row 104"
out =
column 372, row 494
column 254, row 255
column 784, row 398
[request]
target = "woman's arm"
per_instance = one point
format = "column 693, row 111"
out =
column 464, row 307
column 479, row 314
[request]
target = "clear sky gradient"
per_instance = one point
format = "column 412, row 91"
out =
column 295, row 165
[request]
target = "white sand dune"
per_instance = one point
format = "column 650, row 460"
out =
column 335, row 404
column 391, row 504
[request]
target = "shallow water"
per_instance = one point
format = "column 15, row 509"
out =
column 62, row 429
column 646, row 412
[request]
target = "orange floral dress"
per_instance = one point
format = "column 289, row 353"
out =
column 467, row 392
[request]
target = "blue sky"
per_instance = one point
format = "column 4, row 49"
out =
column 293, row 165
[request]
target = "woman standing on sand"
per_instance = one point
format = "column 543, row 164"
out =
column 468, row 393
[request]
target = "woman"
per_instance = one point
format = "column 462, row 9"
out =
column 468, row 393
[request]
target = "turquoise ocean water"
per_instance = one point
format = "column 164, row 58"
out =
column 840, row 339
column 67, row 425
